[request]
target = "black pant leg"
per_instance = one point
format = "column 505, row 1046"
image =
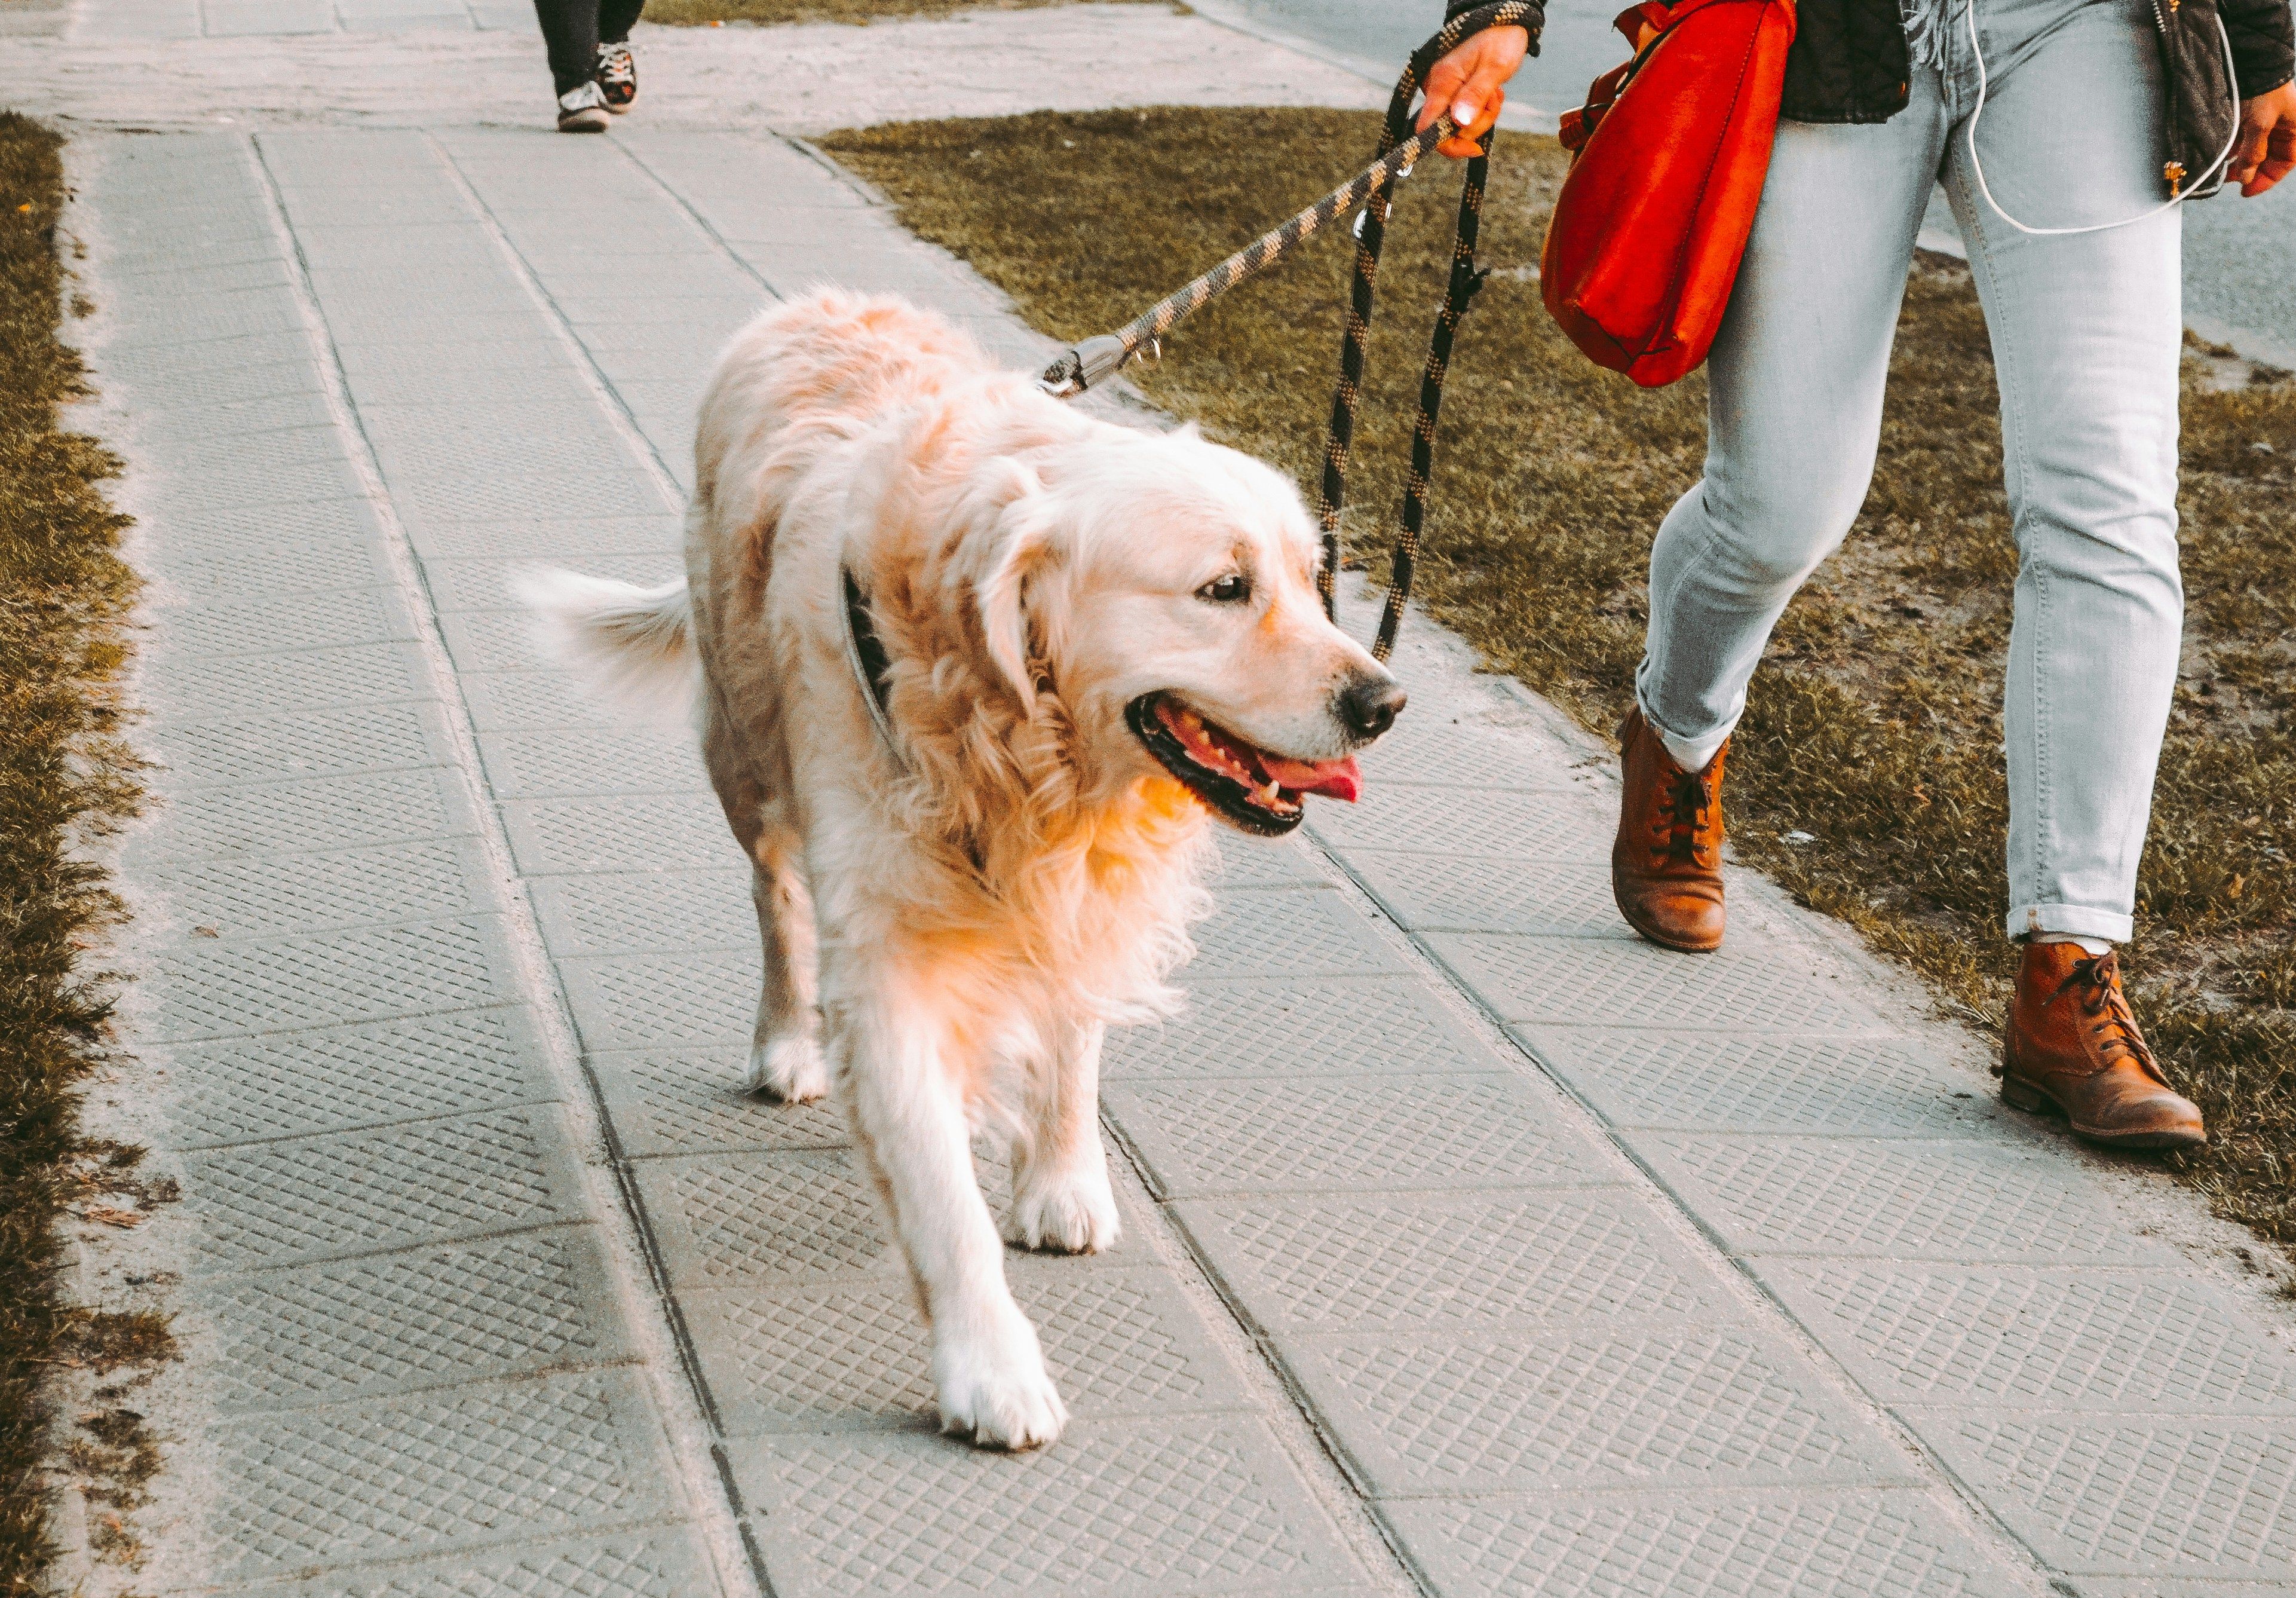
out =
column 615, row 18
column 569, row 31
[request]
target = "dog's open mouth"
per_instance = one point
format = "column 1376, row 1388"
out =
column 1247, row 786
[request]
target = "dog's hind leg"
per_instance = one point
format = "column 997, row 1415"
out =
column 785, row 1050
column 1060, row 1197
column 898, row 1079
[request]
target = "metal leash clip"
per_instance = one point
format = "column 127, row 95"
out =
column 1087, row 366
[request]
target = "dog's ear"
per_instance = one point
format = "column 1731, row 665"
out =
column 1019, row 539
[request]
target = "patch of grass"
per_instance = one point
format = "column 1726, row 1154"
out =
column 63, row 777
column 701, row 14
column 1875, row 724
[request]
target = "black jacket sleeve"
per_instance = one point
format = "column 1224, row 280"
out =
column 2263, row 43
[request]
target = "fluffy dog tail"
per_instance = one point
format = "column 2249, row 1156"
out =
column 632, row 645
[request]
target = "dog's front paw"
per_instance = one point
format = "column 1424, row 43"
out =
column 790, row 1069
column 1071, row 1212
column 996, row 1389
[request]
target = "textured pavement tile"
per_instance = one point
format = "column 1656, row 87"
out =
column 2133, row 1496
column 353, row 740
column 204, row 574
column 270, row 819
column 1449, row 1261
column 664, row 1563
column 435, row 1473
column 691, row 1102
column 1874, row 1544
column 301, row 1199
column 1696, row 1082
column 1246, row 862
column 1288, row 933
column 334, row 1078
column 1116, row 1510
column 1570, row 982
column 1118, row 1342
column 416, row 452
column 527, row 701
column 162, row 430
column 2022, row 1338
column 632, row 912
column 764, row 1219
column 1425, row 748
column 1941, row 1202
column 269, row 623
column 516, row 1305
column 1597, row 1404
column 617, row 833
column 528, row 542
column 1275, row 1028
column 483, row 582
column 667, row 1000
column 494, row 641
column 219, row 988
column 243, row 898
column 563, row 762
column 1340, row 1133
column 773, row 1219
column 1467, row 893
column 238, row 688
column 1437, row 820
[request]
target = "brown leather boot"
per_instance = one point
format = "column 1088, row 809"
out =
column 1665, row 867
column 2073, row 1047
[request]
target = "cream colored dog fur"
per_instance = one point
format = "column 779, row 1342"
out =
column 1097, row 638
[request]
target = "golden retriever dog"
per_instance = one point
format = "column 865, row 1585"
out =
column 974, row 670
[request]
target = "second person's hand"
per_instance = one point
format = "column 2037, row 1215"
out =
column 1471, row 84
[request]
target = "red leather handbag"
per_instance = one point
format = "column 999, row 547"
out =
column 1668, row 157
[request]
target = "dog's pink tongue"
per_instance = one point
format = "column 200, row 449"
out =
column 1334, row 779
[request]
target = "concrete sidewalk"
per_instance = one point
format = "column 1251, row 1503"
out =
column 1561, row 1266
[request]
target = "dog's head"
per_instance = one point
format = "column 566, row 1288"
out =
column 1165, row 588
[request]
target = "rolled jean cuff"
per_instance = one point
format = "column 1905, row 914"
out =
column 1706, row 743
column 2080, row 922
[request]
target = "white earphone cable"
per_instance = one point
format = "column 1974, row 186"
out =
column 1977, row 168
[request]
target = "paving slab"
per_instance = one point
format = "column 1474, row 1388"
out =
column 1471, row 1246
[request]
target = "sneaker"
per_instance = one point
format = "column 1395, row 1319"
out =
column 618, row 77
column 582, row 109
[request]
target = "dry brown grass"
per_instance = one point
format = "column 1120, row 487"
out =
column 1875, row 725
column 64, row 592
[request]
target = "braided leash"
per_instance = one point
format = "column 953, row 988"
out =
column 1097, row 359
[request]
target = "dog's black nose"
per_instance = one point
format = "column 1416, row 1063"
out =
column 1369, row 704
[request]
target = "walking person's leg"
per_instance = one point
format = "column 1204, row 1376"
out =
column 2088, row 334
column 570, row 34
column 617, row 69
column 1794, row 415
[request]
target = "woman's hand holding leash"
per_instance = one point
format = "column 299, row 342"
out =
column 1470, row 84
column 2266, row 151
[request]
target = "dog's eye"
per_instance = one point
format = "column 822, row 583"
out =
column 1230, row 590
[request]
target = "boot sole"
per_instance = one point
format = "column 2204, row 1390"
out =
column 1651, row 934
column 2036, row 1101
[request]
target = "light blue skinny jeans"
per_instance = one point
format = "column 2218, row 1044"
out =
column 2086, row 332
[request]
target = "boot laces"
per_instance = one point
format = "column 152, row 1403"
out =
column 2095, row 982
column 616, row 65
column 1681, row 821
